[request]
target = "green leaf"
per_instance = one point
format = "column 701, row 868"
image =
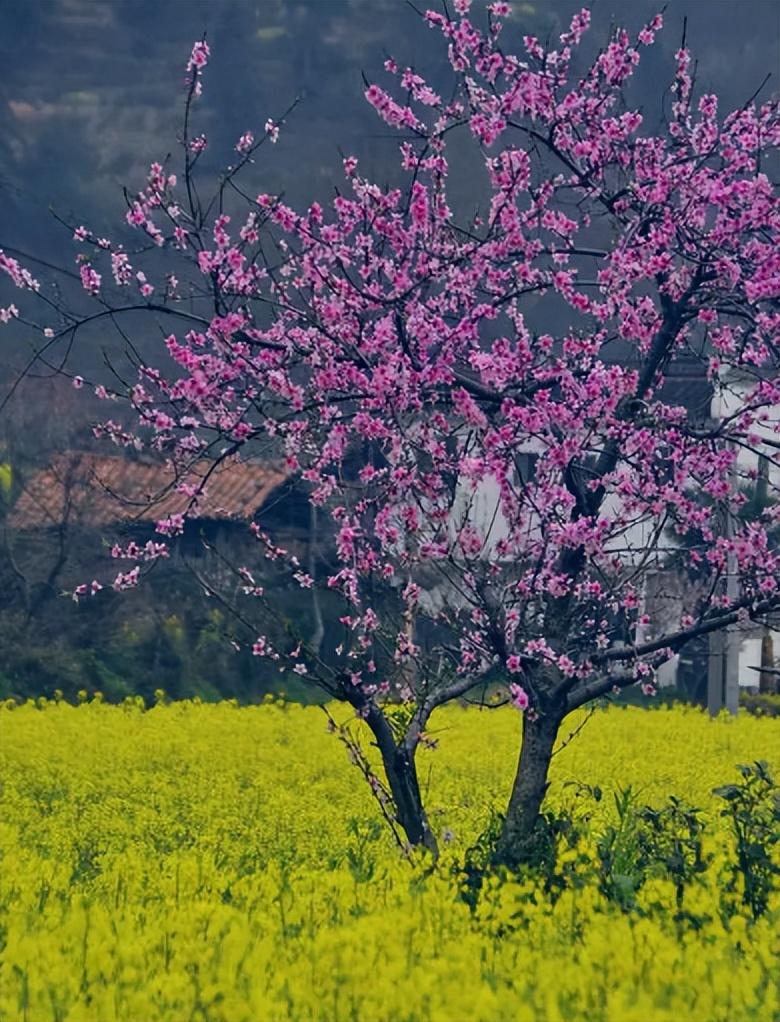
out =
column 6, row 479
column 727, row 791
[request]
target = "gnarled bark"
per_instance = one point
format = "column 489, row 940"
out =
column 401, row 773
column 521, row 832
column 402, row 778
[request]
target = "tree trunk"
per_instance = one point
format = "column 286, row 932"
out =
column 402, row 777
column 401, row 774
column 521, row 835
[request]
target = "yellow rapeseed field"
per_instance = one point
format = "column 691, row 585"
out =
column 210, row 862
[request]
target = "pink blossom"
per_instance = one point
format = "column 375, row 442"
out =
column 121, row 269
column 245, row 143
column 518, row 696
column 127, row 579
column 199, row 56
column 90, row 279
column 566, row 665
column 173, row 525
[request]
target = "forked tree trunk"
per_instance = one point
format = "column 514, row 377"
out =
column 401, row 774
column 521, row 833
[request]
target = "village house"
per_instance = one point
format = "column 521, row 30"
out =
column 668, row 592
column 59, row 533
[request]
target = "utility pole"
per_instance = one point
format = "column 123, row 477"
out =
column 715, row 673
column 723, row 664
column 732, row 633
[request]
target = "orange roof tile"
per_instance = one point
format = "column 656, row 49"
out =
column 93, row 490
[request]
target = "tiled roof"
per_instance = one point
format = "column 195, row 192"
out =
column 93, row 490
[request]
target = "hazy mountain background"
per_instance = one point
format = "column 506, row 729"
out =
column 91, row 90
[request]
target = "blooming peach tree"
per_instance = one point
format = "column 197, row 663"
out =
column 415, row 368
